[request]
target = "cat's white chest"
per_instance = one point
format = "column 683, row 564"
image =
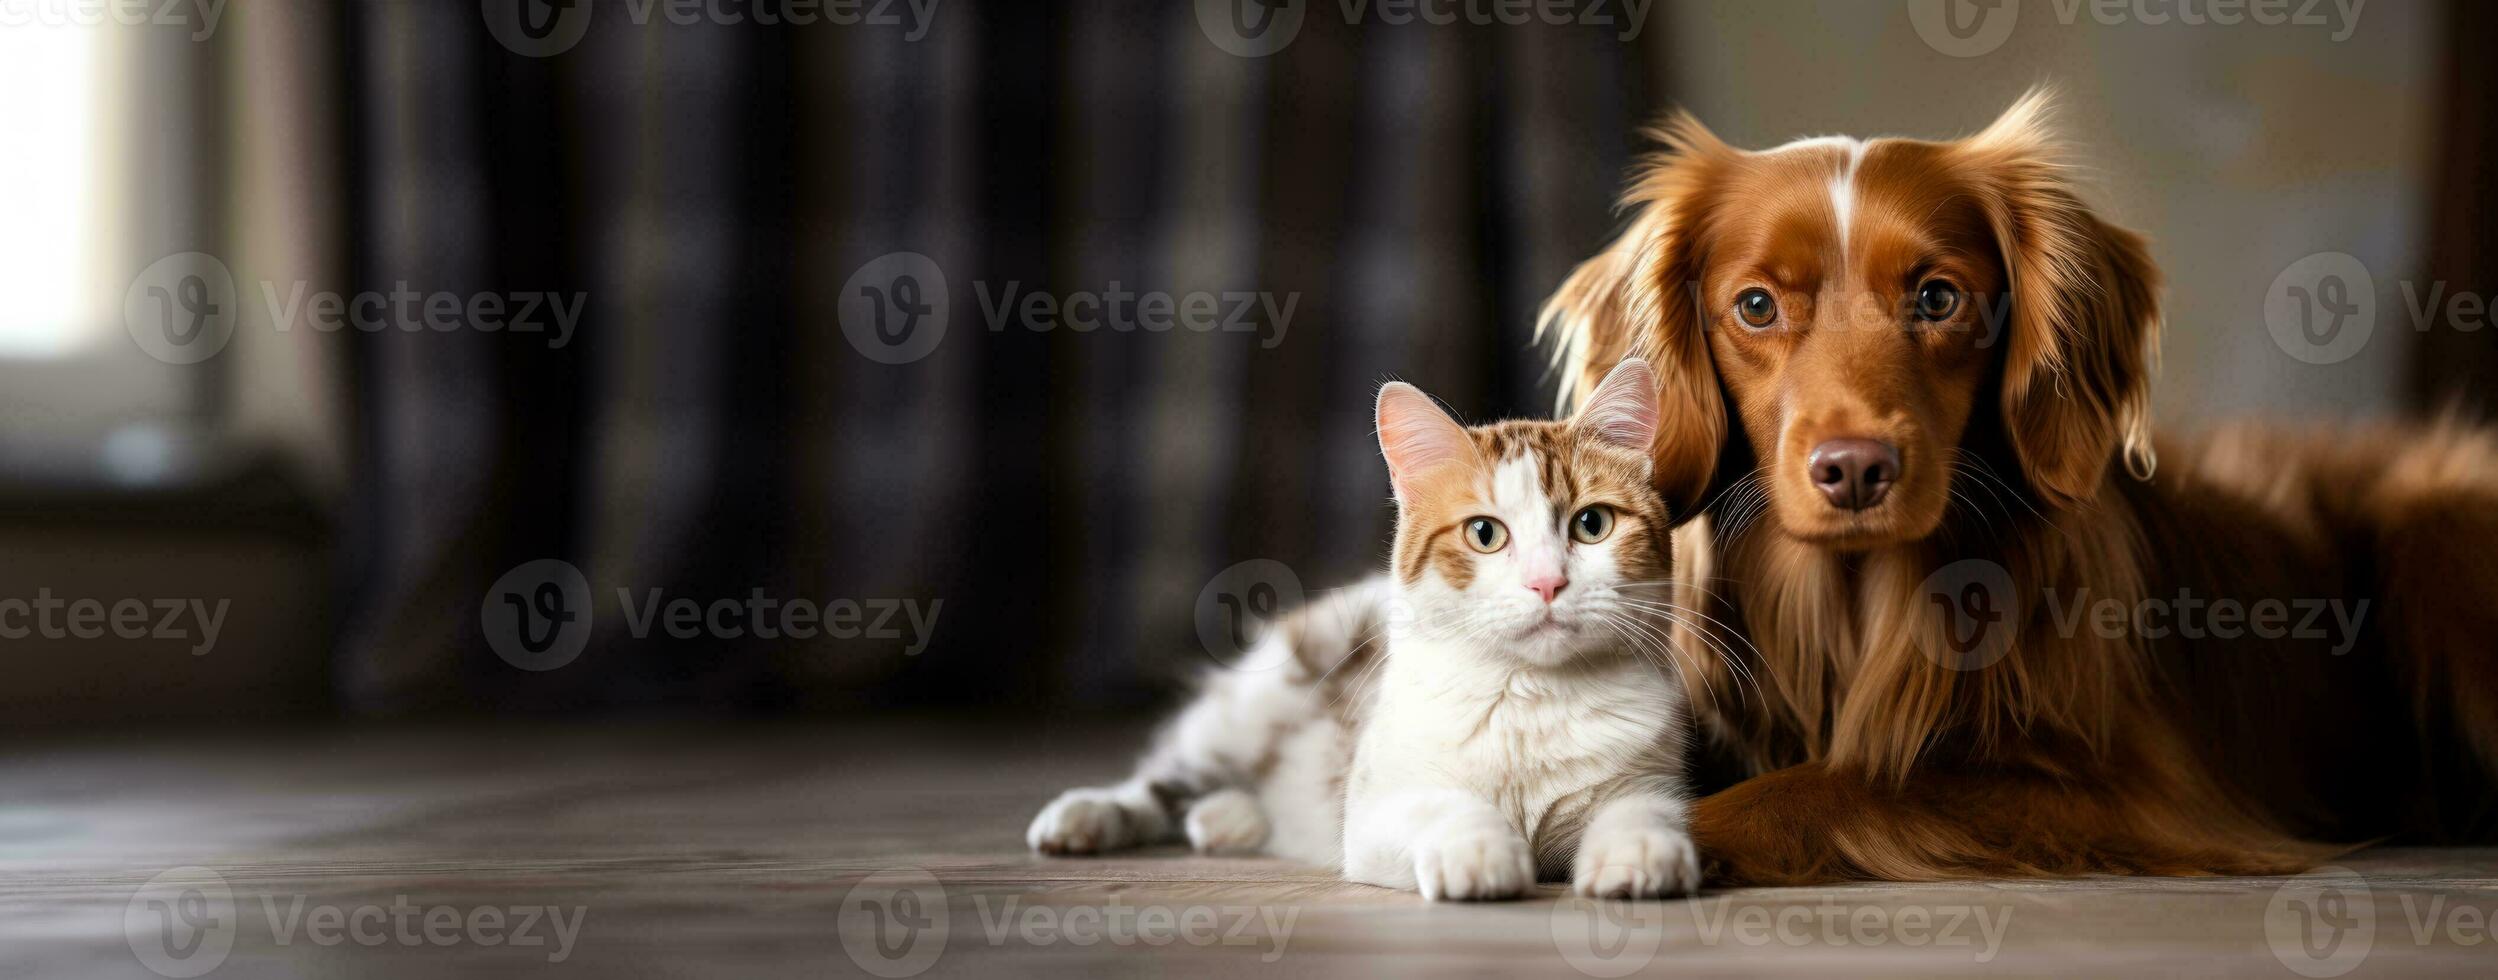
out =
column 1521, row 739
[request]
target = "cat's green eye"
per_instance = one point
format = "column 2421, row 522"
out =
column 1591, row 524
column 1486, row 535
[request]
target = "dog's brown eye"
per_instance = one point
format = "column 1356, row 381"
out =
column 1486, row 535
column 1937, row 300
column 1756, row 307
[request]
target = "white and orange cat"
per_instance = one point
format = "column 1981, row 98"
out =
column 1499, row 708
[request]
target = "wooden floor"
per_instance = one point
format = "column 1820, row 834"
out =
column 686, row 852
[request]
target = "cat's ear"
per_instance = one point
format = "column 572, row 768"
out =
column 1623, row 408
column 1416, row 436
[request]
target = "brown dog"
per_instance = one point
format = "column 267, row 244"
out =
column 1897, row 378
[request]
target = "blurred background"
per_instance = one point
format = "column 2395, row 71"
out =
column 353, row 346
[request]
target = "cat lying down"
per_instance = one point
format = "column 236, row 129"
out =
column 1500, row 708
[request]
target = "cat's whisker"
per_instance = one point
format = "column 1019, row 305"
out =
column 1357, row 646
column 1686, row 664
column 1670, row 606
column 1622, row 628
column 1361, row 681
column 1649, row 659
column 1958, row 495
column 1642, row 626
column 1982, row 471
column 1731, row 504
column 1376, row 630
column 1740, row 674
column 1718, row 645
column 1731, row 488
column 1748, row 499
column 1958, row 469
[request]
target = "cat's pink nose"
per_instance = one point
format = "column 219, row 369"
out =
column 1548, row 586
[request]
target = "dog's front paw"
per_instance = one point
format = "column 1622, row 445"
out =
column 1639, row 861
column 1473, row 864
column 1092, row 820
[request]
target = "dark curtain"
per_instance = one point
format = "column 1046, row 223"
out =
column 2456, row 364
column 1411, row 191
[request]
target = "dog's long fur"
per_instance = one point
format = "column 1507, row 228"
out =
column 1871, row 755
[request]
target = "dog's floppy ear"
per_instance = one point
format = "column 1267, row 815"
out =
column 1635, row 299
column 2082, row 341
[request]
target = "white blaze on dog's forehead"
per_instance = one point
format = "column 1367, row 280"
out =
column 1816, row 143
column 1843, row 183
column 1843, row 192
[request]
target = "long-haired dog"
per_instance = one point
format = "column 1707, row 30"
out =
column 1973, row 629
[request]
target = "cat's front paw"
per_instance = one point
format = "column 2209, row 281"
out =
column 1092, row 820
column 1473, row 864
column 1226, row 821
column 1642, row 861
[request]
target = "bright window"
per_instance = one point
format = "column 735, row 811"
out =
column 52, row 300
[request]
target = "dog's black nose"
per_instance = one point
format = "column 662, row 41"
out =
column 1854, row 473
